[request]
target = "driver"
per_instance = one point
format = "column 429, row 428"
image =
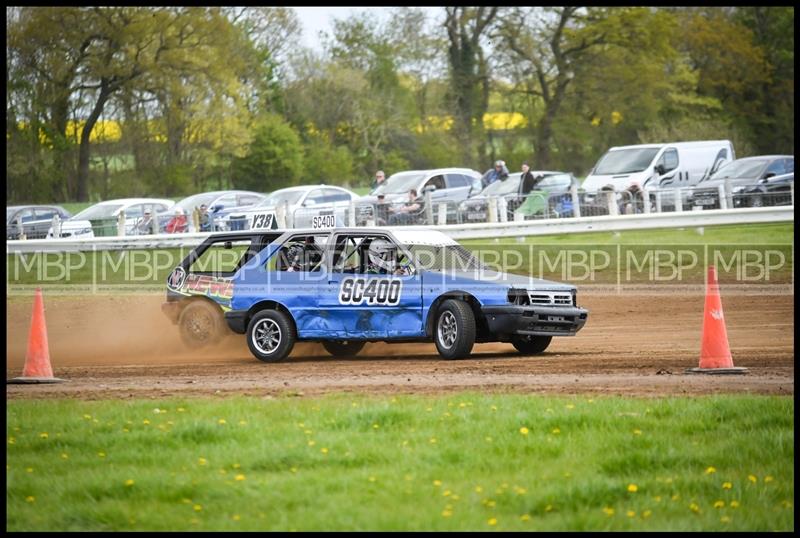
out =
column 383, row 259
column 303, row 256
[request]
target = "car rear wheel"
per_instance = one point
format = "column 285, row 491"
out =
column 200, row 324
column 271, row 335
column 454, row 332
column 343, row 348
column 531, row 345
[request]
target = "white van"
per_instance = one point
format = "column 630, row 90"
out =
column 659, row 166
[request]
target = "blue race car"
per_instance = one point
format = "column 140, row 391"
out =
column 346, row 287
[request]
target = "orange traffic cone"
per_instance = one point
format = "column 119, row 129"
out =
column 715, row 354
column 37, row 359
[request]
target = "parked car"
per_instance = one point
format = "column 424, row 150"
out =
column 451, row 185
column 776, row 190
column 35, row 220
column 547, row 197
column 101, row 219
column 378, row 285
column 742, row 175
column 219, row 205
column 309, row 206
column 659, row 166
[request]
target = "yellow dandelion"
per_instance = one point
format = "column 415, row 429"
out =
column 488, row 439
column 719, row 504
column 197, row 508
column 186, row 501
column 30, row 498
column 447, row 493
column 376, row 426
column 630, row 513
column 29, row 469
column 293, row 469
column 595, row 121
column 556, row 431
column 236, row 517
column 657, row 498
column 548, row 508
column 44, row 435
column 236, row 466
column 725, row 519
column 786, row 503
column 491, row 504
column 492, row 521
column 312, row 443
column 523, row 430
column 462, row 404
column 11, row 440
column 637, row 432
column 633, row 488
column 646, row 514
column 734, row 504
column 239, row 477
column 202, row 461
column 520, row 491
column 447, row 513
column 608, row 511
column 145, row 422
column 694, row 508
column 752, row 478
column 87, row 417
column 125, row 430
column 242, row 423
column 768, row 478
column 64, row 456
column 433, row 440
column 525, row 517
column 478, row 489
column 323, row 450
column 222, row 421
column 101, row 454
column 676, row 497
column 727, row 485
column 181, row 410
column 437, row 483
column 129, row 482
column 616, row 117
column 372, row 479
column 711, row 470
column 308, row 432
column 494, row 408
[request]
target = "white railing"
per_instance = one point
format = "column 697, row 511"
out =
column 481, row 230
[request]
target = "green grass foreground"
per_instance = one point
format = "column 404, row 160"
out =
column 344, row 462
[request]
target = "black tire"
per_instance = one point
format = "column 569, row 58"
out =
column 270, row 335
column 343, row 348
column 531, row 345
column 454, row 329
column 200, row 324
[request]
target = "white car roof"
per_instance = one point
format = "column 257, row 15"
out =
column 134, row 201
column 699, row 143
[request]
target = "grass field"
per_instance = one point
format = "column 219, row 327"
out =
column 153, row 266
column 461, row 462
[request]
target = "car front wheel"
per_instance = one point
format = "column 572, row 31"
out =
column 271, row 335
column 454, row 332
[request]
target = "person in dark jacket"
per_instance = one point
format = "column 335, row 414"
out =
column 528, row 182
column 498, row 173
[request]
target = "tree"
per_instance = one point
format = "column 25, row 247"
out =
column 274, row 158
column 469, row 76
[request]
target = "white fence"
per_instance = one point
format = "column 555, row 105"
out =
column 605, row 223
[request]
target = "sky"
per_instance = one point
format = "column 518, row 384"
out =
column 315, row 19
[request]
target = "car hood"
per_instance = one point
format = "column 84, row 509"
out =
column 506, row 280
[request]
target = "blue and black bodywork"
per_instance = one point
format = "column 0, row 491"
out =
column 335, row 296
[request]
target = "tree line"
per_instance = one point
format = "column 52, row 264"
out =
column 104, row 102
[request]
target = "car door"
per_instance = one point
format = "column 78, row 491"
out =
column 360, row 303
column 458, row 187
column 671, row 175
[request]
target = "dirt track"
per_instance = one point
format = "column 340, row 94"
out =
column 120, row 347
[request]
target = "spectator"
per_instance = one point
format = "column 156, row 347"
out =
column 145, row 224
column 632, row 199
column 205, row 219
column 498, row 173
column 380, row 177
column 529, row 182
column 404, row 213
column 178, row 223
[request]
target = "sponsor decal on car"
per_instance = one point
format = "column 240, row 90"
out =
column 209, row 285
column 264, row 220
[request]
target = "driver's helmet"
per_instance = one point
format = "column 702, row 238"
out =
column 382, row 254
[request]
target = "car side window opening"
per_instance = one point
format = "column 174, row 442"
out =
column 45, row 213
column 669, row 160
column 436, row 181
column 458, row 180
column 222, row 258
column 133, row 212
column 777, row 167
column 789, row 166
column 300, row 254
column 370, row 254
